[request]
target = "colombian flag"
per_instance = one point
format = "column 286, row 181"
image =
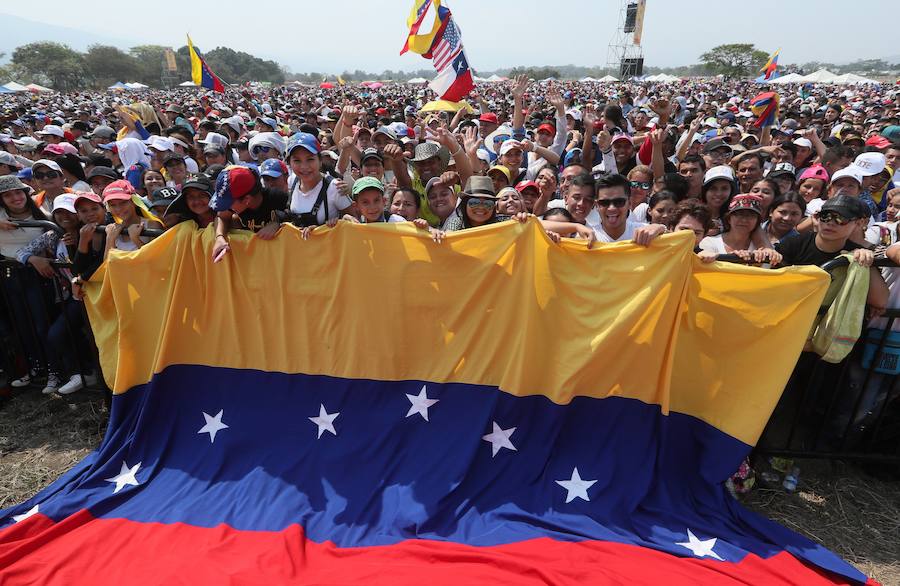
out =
column 369, row 407
column 201, row 74
column 765, row 108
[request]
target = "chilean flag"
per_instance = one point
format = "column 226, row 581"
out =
column 454, row 80
column 579, row 435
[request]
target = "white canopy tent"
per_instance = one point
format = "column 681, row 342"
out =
column 786, row 79
column 852, row 78
column 608, row 78
column 187, row 84
column 419, row 80
column 495, row 78
column 588, row 79
column 16, row 87
column 33, row 87
column 135, row 85
column 820, row 76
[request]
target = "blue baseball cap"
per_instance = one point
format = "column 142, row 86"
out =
column 268, row 121
column 302, row 140
column 273, row 168
column 25, row 174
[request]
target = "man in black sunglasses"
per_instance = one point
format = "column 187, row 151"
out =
column 616, row 225
column 839, row 217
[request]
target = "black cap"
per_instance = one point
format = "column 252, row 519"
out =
column 81, row 125
column 173, row 157
column 169, row 193
column 199, row 181
column 847, row 206
column 101, row 171
column 370, row 154
column 716, row 143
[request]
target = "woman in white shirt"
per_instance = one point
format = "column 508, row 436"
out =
column 740, row 222
column 314, row 198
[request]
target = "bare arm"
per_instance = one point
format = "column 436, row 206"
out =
column 518, row 101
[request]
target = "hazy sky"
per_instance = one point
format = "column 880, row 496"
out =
column 367, row 34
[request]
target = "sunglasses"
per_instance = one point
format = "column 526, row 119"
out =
column 641, row 185
column 261, row 149
column 616, row 202
column 478, row 202
column 47, row 175
column 832, row 218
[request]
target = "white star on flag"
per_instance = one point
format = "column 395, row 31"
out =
column 499, row 438
column 420, row 404
column 701, row 547
column 576, row 488
column 325, row 421
column 213, row 425
column 30, row 512
column 125, row 477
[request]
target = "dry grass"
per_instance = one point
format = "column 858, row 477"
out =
column 839, row 506
column 848, row 511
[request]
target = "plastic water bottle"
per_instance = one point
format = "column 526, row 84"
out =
column 790, row 479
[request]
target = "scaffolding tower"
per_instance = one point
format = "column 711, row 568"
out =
column 625, row 54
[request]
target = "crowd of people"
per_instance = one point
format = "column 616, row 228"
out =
column 601, row 162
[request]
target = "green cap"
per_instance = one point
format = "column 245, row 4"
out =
column 366, row 183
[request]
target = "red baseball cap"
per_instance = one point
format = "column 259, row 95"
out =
column 88, row 195
column 118, row 190
column 878, row 141
column 523, row 185
column 489, row 117
column 381, row 111
column 546, row 127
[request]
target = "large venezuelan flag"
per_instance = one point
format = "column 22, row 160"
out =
column 201, row 74
column 369, row 407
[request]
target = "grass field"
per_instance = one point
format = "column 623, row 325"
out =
column 840, row 506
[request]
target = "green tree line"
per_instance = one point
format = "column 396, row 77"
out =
column 62, row 68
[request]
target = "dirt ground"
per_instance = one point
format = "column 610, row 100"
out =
column 841, row 506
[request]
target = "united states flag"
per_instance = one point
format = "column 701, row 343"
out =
column 447, row 48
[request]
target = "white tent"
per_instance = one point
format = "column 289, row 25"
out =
column 417, row 80
column 118, row 86
column 820, row 76
column 187, row 84
column 853, row 78
column 588, row 79
column 16, row 87
column 33, row 87
column 608, row 78
column 786, row 79
column 495, row 78
column 134, row 85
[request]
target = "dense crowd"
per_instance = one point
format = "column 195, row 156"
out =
column 601, row 162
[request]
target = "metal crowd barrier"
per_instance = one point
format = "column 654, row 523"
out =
column 844, row 411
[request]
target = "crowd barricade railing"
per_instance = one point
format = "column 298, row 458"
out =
column 844, row 411
column 25, row 315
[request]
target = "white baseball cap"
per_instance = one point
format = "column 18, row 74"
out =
column 803, row 142
column 850, row 171
column 576, row 114
column 718, row 172
column 509, row 145
column 870, row 163
column 65, row 201
column 53, row 130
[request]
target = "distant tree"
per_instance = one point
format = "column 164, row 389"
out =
column 106, row 65
column 535, row 72
column 51, row 64
column 150, row 60
column 734, row 60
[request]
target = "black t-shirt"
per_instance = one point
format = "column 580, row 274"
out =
column 272, row 209
column 801, row 249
